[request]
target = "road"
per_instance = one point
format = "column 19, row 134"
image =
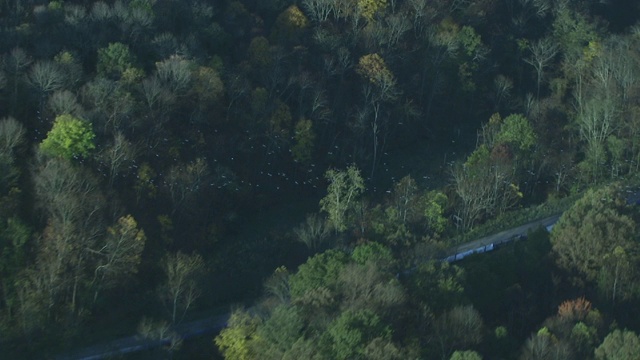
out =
column 136, row 343
column 502, row 237
column 216, row 323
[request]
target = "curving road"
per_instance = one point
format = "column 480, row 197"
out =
column 216, row 323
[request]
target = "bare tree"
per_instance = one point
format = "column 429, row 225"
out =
column 319, row 10
column 15, row 64
column 483, row 189
column 544, row 346
column 117, row 156
column 314, row 232
column 175, row 73
column 119, row 255
column 185, row 181
column 11, row 135
column 71, row 200
column 46, row 76
column 181, row 290
column 542, row 53
column 458, row 328
column 160, row 330
column 65, row 102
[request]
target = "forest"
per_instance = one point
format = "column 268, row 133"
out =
column 304, row 165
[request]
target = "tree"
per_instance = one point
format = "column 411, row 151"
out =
column 70, row 198
column 117, row 156
column 289, row 26
column 321, row 270
column 597, row 119
column 383, row 349
column 114, row 60
column 458, row 328
column 516, row 131
column 314, row 232
column 439, row 285
column 592, row 241
column 350, row 333
column 65, row 102
column 406, row 200
column 70, row 67
column 545, row 346
column 484, row 185
column 277, row 285
column 542, row 53
column 208, row 85
column 369, row 8
column 68, row 138
column 180, row 290
column 14, row 238
column 279, row 332
column 15, row 64
column 111, row 103
column 369, row 286
column 176, row 74
column 46, row 77
column 342, row 192
column 465, row 355
column 185, row 181
column 380, row 87
column 156, row 330
column 11, row 136
column 120, row 254
column 234, row 340
column 435, row 205
column 619, row 345
column 304, row 138
column 319, row 10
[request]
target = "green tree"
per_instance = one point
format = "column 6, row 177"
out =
column 369, row 8
column 619, row 345
column 289, row 26
column 594, row 240
column 438, row 284
column 465, row 355
column 350, row 333
column 278, row 333
column 304, row 138
column 435, row 205
column 114, row 60
column 373, row 252
column 234, row 340
column 383, row 349
column 342, row 192
column 318, row 271
column 516, row 130
column 69, row 137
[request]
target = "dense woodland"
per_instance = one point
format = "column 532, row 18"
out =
column 305, row 163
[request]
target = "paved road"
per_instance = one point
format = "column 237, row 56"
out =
column 136, row 343
column 216, row 323
column 503, row 236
